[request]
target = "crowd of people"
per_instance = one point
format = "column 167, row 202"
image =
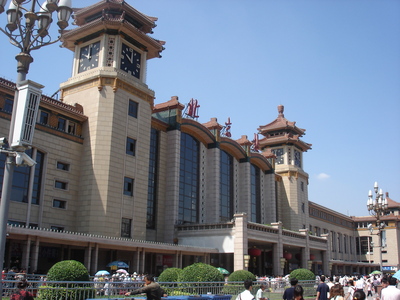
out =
column 332, row 288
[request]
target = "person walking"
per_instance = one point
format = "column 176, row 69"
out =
column 260, row 295
column 289, row 292
column 152, row 289
column 322, row 290
column 391, row 292
column 298, row 292
column 246, row 294
column 21, row 292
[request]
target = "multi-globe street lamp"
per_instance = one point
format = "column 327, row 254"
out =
column 377, row 207
column 28, row 23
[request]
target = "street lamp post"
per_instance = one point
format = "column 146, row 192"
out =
column 27, row 27
column 377, row 207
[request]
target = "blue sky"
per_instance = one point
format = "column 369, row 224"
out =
column 334, row 65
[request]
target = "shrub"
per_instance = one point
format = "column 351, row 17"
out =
column 169, row 275
column 302, row 274
column 198, row 272
column 67, row 270
column 237, row 276
column 241, row 275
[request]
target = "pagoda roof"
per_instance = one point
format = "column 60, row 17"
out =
column 87, row 14
column 115, row 17
column 285, row 138
column 213, row 124
column 281, row 123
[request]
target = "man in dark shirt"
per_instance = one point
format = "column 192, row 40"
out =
column 289, row 292
column 322, row 290
column 152, row 289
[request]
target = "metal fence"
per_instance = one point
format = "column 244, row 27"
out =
column 116, row 289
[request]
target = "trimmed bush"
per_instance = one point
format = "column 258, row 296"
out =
column 302, row 274
column 67, row 270
column 200, row 272
column 237, row 276
column 241, row 275
column 169, row 275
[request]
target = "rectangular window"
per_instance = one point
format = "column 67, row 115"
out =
column 128, row 186
column 61, row 124
column 130, row 146
column 60, row 185
column 126, row 227
column 8, row 105
column 59, row 204
column 71, row 127
column 44, row 118
column 62, row 166
column 133, row 108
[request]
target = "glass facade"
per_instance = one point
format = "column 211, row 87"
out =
column 226, row 186
column 152, row 181
column 20, row 183
column 255, row 215
column 189, row 180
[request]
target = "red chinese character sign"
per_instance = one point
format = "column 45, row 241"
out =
column 192, row 109
column 226, row 131
column 256, row 143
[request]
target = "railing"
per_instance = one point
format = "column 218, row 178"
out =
column 66, row 290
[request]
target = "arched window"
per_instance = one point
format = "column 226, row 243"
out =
column 226, row 186
column 189, row 180
column 255, row 214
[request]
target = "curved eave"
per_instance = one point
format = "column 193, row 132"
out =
column 69, row 38
column 264, row 130
column 260, row 161
column 232, row 147
column 284, row 141
column 80, row 14
column 198, row 131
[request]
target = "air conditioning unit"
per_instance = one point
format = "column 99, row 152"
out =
column 26, row 110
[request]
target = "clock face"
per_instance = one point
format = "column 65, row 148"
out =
column 279, row 155
column 89, row 57
column 130, row 61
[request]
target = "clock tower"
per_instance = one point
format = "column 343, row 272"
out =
column 111, row 46
column 282, row 138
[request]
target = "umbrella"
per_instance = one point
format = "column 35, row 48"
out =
column 102, row 273
column 397, row 275
column 118, row 264
column 123, row 271
column 376, row 272
column 223, row 271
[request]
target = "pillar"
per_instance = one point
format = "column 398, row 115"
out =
column 35, row 256
column 277, row 251
column 240, row 241
column 26, row 254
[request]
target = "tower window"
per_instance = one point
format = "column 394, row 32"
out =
column 128, row 186
column 59, row 204
column 130, row 146
column 44, row 118
column 60, row 185
column 133, row 108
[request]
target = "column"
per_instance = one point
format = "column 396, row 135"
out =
column 88, row 256
column 95, row 258
column 277, row 252
column 35, row 256
column 26, row 254
column 326, row 255
column 241, row 242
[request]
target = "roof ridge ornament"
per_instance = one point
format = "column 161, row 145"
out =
column 281, row 109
